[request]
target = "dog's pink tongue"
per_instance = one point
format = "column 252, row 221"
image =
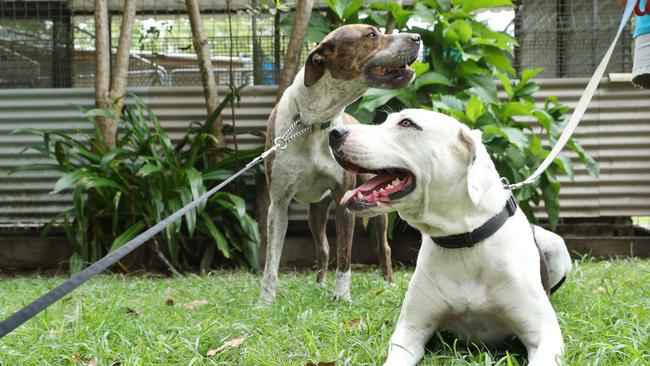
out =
column 371, row 185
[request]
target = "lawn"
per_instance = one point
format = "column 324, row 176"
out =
column 604, row 312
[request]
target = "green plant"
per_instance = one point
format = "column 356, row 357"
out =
column 144, row 179
column 464, row 66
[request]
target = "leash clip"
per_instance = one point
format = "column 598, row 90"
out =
column 280, row 143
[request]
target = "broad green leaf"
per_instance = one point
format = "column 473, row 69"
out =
column 585, row 158
column 190, row 216
column 565, row 165
column 211, row 229
column 471, row 5
column 462, row 29
column 420, row 67
column 528, row 74
column 337, row 6
column 352, row 8
column 469, row 67
column 32, row 167
column 475, row 109
column 100, row 182
column 535, row 146
column 148, row 169
column 108, row 158
column 499, row 60
column 515, row 109
column 126, row 236
column 507, row 87
column 197, row 188
column 551, row 196
column 448, row 102
column 70, row 179
column 431, row 78
column 375, row 98
column 516, row 136
column 522, row 90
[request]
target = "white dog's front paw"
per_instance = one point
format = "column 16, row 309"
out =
column 342, row 286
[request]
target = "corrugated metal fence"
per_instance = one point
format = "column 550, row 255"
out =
column 615, row 130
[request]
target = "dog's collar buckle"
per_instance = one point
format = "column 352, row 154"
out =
column 491, row 226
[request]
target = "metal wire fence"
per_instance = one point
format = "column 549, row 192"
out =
column 51, row 43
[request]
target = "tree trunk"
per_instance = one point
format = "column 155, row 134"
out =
column 202, row 48
column 258, row 53
column 109, row 93
column 121, row 67
column 103, row 70
column 276, row 47
column 296, row 43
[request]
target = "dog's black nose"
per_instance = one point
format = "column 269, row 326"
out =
column 415, row 38
column 337, row 136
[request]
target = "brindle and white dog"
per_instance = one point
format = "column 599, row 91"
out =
column 338, row 71
column 439, row 176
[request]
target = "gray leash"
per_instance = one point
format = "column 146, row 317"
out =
column 40, row 304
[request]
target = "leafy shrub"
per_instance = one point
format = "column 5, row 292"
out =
column 144, row 179
column 464, row 61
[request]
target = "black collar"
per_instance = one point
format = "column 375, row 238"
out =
column 468, row 240
column 320, row 126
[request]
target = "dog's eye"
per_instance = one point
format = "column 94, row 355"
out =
column 372, row 34
column 406, row 123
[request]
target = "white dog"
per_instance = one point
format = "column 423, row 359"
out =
column 479, row 273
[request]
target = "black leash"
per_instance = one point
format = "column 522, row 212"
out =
column 40, row 304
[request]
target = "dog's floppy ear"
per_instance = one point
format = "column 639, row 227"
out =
column 479, row 166
column 315, row 64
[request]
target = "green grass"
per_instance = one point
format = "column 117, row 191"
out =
column 604, row 312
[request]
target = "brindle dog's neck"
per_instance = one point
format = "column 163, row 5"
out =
column 325, row 100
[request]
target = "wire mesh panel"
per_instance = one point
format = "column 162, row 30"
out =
column 569, row 38
column 52, row 43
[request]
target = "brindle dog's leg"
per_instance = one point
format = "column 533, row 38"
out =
column 381, row 231
column 277, row 229
column 318, row 213
column 344, row 232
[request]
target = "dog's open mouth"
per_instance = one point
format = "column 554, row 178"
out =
column 389, row 72
column 387, row 186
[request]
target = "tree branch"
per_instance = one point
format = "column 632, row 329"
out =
column 202, row 48
column 102, row 66
column 296, row 42
column 121, row 69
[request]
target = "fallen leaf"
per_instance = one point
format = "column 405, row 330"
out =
column 169, row 302
column 355, row 323
column 331, row 363
column 131, row 312
column 232, row 343
column 195, row 304
column 380, row 291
